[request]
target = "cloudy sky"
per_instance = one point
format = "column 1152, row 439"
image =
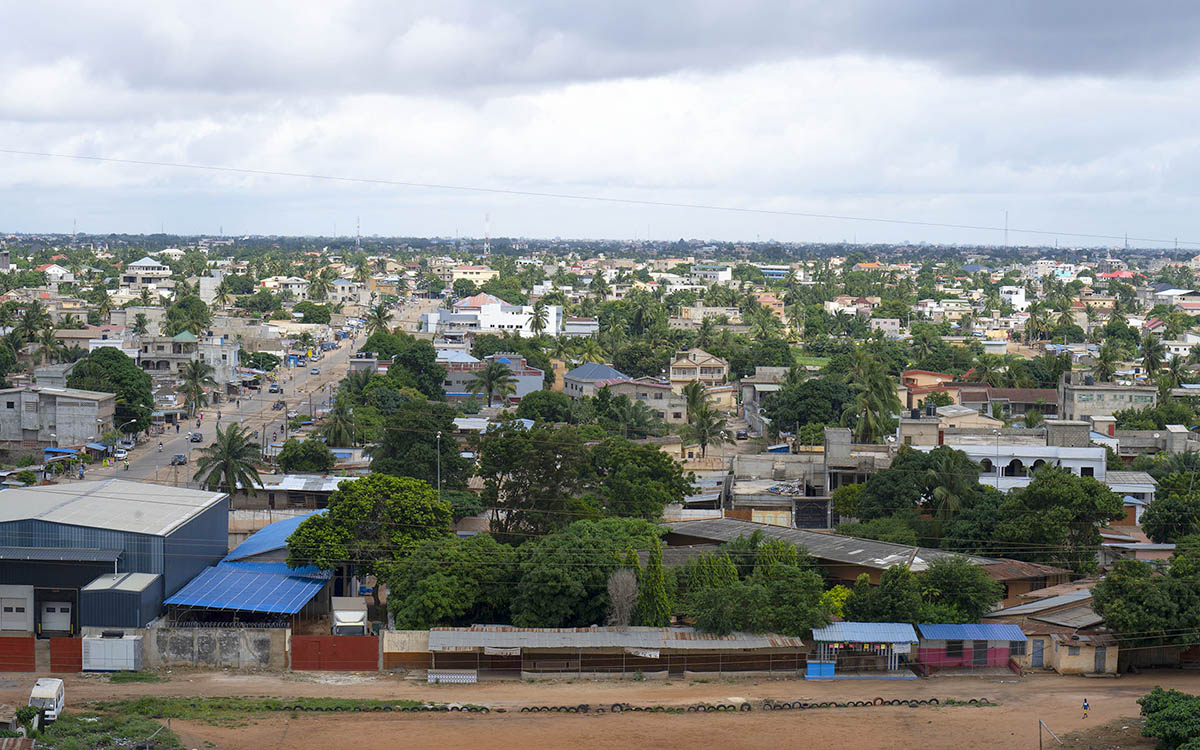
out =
column 1076, row 117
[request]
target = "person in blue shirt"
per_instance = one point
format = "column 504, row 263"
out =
column 1085, row 708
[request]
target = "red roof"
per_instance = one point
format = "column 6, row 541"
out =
column 947, row 376
column 1120, row 275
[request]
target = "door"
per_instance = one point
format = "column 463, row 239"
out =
column 1101, row 659
column 12, row 614
column 979, row 653
column 1038, row 645
column 56, row 616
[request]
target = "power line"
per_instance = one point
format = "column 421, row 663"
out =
column 593, row 198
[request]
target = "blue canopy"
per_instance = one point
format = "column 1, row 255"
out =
column 990, row 632
column 250, row 587
column 61, row 451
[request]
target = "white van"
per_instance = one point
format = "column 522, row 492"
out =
column 48, row 694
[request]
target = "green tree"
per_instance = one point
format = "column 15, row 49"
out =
column 636, row 481
column 1172, row 515
column 187, row 314
column 960, row 586
column 653, row 605
column 340, row 430
column 305, row 456
column 695, row 398
column 109, row 370
column 371, row 524
column 229, row 461
column 452, row 581
column 897, row 598
column 197, row 376
column 408, row 446
column 1153, row 353
column 495, row 379
column 378, row 318
column 546, row 406
column 707, row 428
column 312, row 313
column 464, row 288
column 1172, row 717
column 140, row 324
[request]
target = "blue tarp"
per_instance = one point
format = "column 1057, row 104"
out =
column 61, row 451
column 98, row 446
column 250, row 587
column 270, row 537
column 971, row 632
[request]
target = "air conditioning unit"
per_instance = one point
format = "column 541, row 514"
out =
column 122, row 654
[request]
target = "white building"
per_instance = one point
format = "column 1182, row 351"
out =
column 297, row 286
column 1014, row 296
column 706, row 273
column 348, row 292
column 486, row 313
column 147, row 273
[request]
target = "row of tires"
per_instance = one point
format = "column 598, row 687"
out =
column 913, row 703
column 388, row 709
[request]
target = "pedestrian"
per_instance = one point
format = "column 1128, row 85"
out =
column 1085, row 708
column 176, row 428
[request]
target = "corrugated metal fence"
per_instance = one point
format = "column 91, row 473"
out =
column 17, row 654
column 66, row 655
column 350, row 653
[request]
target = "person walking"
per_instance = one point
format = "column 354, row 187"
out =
column 1085, row 707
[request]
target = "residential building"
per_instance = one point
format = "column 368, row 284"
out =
column 697, row 365
column 667, row 405
column 347, row 292
column 487, row 313
column 478, row 274
column 889, row 327
column 755, row 388
column 1081, row 397
column 774, row 272
column 461, row 370
column 293, row 285
column 582, row 381
column 1014, row 297
column 771, row 302
column 147, row 273
column 577, row 327
column 36, row 416
column 169, row 355
column 709, row 273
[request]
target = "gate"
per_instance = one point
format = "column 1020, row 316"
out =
column 1101, row 664
column 17, row 654
column 347, row 653
column 66, row 655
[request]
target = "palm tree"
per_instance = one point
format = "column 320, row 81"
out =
column 707, row 428
column 1176, row 371
column 949, row 485
column 362, row 270
column 223, row 295
column 763, row 323
column 795, row 316
column 354, row 383
column 71, row 322
column 693, row 395
column 378, row 318
column 1066, row 318
column 340, row 430
column 705, row 332
column 319, row 283
column 196, row 375
column 141, row 325
column 636, row 419
column 49, row 345
column 1108, row 357
column 32, row 321
column 539, row 318
column 987, row 369
column 1153, row 353
column 103, row 306
column 592, row 351
column 495, row 379
column 228, row 463
column 144, row 297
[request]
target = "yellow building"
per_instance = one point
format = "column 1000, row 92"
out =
column 699, row 365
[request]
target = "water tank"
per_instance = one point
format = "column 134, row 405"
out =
column 1089, row 380
column 916, row 414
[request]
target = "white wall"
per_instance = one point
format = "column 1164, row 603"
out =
column 10, row 595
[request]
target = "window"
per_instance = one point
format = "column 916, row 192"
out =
column 1087, row 471
column 954, row 649
column 1072, row 651
column 12, row 404
column 1016, row 648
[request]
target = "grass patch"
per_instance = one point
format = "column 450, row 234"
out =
column 807, row 360
column 89, row 731
column 122, row 678
column 224, row 711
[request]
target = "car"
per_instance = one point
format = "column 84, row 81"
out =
column 315, row 371
column 126, row 444
column 279, row 405
column 292, row 414
column 120, row 454
column 195, row 437
column 275, row 388
column 743, row 434
column 178, row 459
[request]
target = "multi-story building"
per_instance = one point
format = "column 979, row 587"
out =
column 588, row 378
column 774, row 272
column 486, row 313
column 169, row 355
column 149, row 274
column 889, row 327
column 771, row 302
column 1080, row 397
column 708, row 273
column 697, row 364
column 580, row 327
column 461, row 369
column 293, row 285
column 347, row 292
column 35, row 417
column 477, row 274
column 667, row 405
column 1014, row 296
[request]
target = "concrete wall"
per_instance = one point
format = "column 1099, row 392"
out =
column 257, row 648
column 1083, row 662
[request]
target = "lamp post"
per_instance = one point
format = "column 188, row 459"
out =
column 439, row 465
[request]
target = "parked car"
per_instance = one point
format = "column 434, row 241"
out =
column 195, row 437
column 120, row 454
column 315, row 371
column 743, row 434
column 127, row 444
column 178, row 459
column 275, row 388
column 292, row 414
column 279, row 405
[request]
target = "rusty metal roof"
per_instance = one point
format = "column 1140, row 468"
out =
column 505, row 636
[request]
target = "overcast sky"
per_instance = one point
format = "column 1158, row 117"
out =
column 1072, row 116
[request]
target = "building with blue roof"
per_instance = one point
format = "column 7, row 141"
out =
column 969, row 646
column 254, row 582
column 461, row 374
column 583, row 380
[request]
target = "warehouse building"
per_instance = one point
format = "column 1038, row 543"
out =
column 66, row 552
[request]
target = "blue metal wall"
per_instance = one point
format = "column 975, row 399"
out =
column 121, row 609
column 194, row 546
column 140, row 553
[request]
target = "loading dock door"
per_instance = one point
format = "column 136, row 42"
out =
column 56, row 616
column 12, row 614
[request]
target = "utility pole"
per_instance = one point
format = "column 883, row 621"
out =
column 439, row 465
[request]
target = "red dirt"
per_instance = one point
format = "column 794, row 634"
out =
column 1011, row 724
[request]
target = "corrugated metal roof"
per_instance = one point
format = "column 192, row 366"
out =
column 1082, row 616
column 1042, row 605
column 972, row 632
column 866, row 632
column 249, row 587
column 271, row 537
column 46, row 554
column 843, row 549
column 504, row 636
column 116, row 504
column 122, row 582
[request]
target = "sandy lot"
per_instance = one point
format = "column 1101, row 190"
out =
column 1010, row 724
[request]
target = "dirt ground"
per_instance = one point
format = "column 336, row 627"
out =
column 1012, row 723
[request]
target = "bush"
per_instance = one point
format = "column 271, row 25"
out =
column 27, row 477
column 1172, row 717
